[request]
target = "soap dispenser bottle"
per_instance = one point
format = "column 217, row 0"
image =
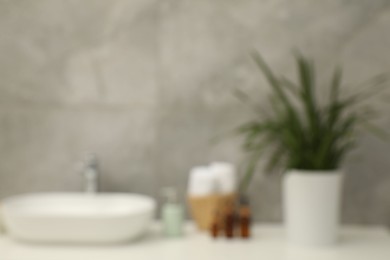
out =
column 172, row 214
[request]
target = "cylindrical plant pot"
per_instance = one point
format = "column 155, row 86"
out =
column 312, row 206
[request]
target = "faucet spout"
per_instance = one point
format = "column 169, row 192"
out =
column 91, row 174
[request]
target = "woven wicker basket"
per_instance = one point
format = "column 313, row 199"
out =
column 204, row 209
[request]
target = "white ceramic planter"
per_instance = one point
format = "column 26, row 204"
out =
column 312, row 206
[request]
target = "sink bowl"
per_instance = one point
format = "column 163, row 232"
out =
column 77, row 217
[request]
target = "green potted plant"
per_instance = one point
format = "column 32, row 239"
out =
column 309, row 140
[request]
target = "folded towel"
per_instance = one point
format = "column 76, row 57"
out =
column 201, row 182
column 218, row 178
column 225, row 176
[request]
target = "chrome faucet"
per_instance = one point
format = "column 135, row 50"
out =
column 90, row 173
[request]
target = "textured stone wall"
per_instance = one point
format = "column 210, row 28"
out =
column 146, row 84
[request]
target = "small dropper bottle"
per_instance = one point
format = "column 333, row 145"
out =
column 172, row 214
column 215, row 225
column 229, row 220
column 244, row 218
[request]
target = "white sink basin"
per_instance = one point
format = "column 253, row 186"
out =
column 78, row 217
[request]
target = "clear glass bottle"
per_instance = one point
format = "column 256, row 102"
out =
column 172, row 214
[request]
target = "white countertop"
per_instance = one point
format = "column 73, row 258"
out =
column 268, row 243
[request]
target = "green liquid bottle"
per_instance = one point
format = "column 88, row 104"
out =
column 172, row 215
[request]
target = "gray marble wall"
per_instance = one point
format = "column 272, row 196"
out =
column 146, row 84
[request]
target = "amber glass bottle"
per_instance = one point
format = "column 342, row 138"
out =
column 229, row 220
column 245, row 218
column 215, row 225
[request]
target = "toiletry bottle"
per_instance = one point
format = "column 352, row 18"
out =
column 229, row 220
column 172, row 214
column 244, row 218
column 215, row 226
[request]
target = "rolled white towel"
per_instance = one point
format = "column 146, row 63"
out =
column 225, row 176
column 201, row 182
